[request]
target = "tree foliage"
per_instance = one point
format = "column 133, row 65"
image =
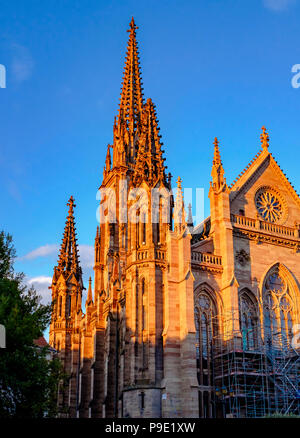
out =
column 28, row 379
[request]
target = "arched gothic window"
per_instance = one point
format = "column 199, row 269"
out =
column 248, row 321
column 278, row 308
column 205, row 312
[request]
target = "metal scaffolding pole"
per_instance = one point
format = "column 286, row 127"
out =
column 254, row 380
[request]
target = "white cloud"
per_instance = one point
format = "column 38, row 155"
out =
column 41, row 280
column 41, row 285
column 278, row 5
column 22, row 63
column 86, row 253
column 42, row 251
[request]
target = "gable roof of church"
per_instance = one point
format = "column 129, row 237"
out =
column 253, row 167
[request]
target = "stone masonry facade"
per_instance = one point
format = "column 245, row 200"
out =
column 170, row 298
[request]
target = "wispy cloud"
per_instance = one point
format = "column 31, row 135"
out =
column 42, row 251
column 22, row 63
column 86, row 253
column 14, row 191
column 278, row 5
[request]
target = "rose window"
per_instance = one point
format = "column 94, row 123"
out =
column 269, row 206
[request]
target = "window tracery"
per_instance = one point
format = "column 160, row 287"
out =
column 270, row 205
column 205, row 312
column 278, row 308
column 248, row 321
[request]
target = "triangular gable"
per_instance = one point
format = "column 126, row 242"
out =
column 263, row 158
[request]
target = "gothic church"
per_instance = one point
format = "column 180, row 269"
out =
column 183, row 320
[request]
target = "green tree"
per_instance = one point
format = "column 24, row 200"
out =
column 28, row 379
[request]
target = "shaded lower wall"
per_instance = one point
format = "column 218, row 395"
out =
column 141, row 403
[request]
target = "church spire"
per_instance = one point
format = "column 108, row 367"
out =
column 137, row 144
column 131, row 101
column 149, row 161
column 68, row 261
column 217, row 173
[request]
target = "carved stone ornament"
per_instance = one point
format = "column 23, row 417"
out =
column 242, row 257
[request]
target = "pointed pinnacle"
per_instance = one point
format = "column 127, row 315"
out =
column 131, row 102
column 89, row 298
column 179, row 181
column 108, row 158
column 71, row 204
column 68, row 260
column 264, row 138
column 179, row 211
column 132, row 25
column 179, row 194
column 190, row 216
column 217, row 156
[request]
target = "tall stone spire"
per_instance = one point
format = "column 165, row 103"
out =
column 217, row 173
column 131, row 101
column 137, row 146
column 68, row 261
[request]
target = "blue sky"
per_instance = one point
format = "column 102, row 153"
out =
column 213, row 68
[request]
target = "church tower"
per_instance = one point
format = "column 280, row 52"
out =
column 67, row 290
column 130, row 250
column 132, row 354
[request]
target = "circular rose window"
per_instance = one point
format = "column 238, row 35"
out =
column 269, row 205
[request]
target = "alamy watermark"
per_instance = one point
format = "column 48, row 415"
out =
column 2, row 76
column 138, row 205
column 2, row 336
column 296, row 78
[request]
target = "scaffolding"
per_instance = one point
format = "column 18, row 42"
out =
column 253, row 378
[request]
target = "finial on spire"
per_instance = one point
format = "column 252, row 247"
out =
column 264, row 138
column 217, row 156
column 217, row 173
column 132, row 25
column 71, row 204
